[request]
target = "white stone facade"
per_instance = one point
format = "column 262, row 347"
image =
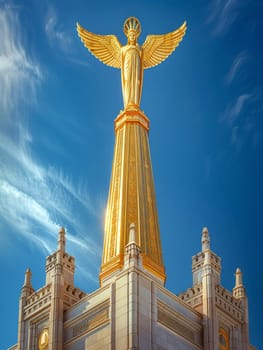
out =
column 133, row 310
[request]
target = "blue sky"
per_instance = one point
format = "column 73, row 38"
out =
column 57, row 107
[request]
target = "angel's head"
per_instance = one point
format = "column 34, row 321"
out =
column 132, row 29
column 132, row 38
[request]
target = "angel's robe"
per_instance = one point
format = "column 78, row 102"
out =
column 132, row 74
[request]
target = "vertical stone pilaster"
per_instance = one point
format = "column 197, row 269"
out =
column 21, row 324
column 233, row 338
column 244, row 327
column 113, row 316
column 121, row 313
column 33, row 336
column 56, row 310
column 153, row 316
column 145, row 307
column 133, row 311
column 209, row 307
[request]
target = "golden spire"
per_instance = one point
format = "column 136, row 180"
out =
column 132, row 198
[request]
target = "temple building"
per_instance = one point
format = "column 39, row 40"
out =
column 132, row 309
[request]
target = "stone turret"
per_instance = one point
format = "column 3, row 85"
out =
column 61, row 257
column 239, row 290
column 206, row 256
column 205, row 239
column 27, row 281
column 225, row 314
column 49, row 302
column 61, row 240
column 26, row 291
column 239, row 293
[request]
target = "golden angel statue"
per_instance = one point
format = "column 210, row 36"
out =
column 132, row 58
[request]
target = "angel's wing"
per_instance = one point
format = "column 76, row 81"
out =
column 157, row 48
column 106, row 48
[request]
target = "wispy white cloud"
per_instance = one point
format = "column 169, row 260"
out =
column 80, row 193
column 222, row 14
column 235, row 67
column 235, row 108
column 86, row 274
column 57, row 36
column 57, row 189
column 34, row 201
column 242, row 116
column 61, row 39
column 80, row 62
column 19, row 73
column 35, row 198
column 24, row 213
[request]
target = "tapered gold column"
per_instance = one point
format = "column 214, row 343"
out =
column 132, row 198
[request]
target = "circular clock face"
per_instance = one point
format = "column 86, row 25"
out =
column 223, row 339
column 43, row 339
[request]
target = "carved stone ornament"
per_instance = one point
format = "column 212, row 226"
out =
column 43, row 339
